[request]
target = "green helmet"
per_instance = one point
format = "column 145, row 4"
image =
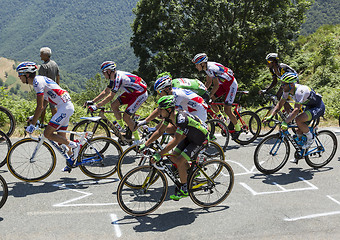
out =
column 289, row 77
column 167, row 101
column 164, row 74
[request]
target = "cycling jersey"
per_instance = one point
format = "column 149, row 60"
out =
column 283, row 68
column 52, row 92
column 128, row 82
column 309, row 98
column 216, row 70
column 194, row 85
column 194, row 129
column 189, row 101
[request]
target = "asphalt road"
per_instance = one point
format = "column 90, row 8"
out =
column 298, row 202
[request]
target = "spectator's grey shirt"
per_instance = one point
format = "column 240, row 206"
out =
column 49, row 69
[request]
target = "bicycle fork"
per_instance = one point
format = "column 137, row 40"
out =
column 40, row 143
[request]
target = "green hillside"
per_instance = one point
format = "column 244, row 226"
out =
column 82, row 34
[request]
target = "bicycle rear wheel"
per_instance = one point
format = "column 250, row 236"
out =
column 271, row 154
column 5, row 145
column 7, row 121
column 250, row 127
column 149, row 190
column 216, row 186
column 322, row 150
column 99, row 157
column 266, row 127
column 3, row 191
column 23, row 166
column 218, row 132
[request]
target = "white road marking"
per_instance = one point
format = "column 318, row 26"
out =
column 116, row 225
column 80, row 211
column 334, row 200
column 312, row 216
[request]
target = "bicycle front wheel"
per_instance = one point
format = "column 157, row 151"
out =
column 323, row 149
column 7, row 121
column 29, row 162
column 218, row 132
column 99, row 156
column 271, row 154
column 148, row 192
column 3, row 191
column 250, row 127
column 216, row 186
column 5, row 145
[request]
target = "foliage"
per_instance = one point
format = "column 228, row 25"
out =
column 168, row 33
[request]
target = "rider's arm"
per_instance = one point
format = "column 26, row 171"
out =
column 294, row 113
column 104, row 93
column 157, row 133
column 215, row 87
column 208, row 82
column 173, row 143
column 278, row 106
column 152, row 116
column 39, row 109
column 107, row 99
column 273, row 83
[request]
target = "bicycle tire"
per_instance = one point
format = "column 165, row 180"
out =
column 5, row 146
column 102, row 129
column 218, row 132
column 104, row 148
column 325, row 142
column 213, row 190
column 250, row 128
column 264, row 158
column 3, row 191
column 266, row 127
column 20, row 165
column 7, row 121
column 141, row 200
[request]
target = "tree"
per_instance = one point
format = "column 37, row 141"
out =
column 238, row 34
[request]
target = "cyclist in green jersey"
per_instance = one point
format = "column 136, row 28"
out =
column 194, row 85
column 191, row 133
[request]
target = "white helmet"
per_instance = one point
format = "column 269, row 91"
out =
column 27, row 67
column 199, row 58
column 272, row 57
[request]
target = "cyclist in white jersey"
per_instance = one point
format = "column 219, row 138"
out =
column 185, row 100
column 50, row 91
column 302, row 95
column 131, row 91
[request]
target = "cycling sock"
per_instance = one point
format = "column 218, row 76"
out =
column 309, row 135
column 136, row 135
column 237, row 127
column 120, row 122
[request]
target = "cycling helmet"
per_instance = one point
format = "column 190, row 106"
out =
column 199, row 58
column 27, row 67
column 289, row 77
column 163, row 80
column 272, row 57
column 167, row 101
column 108, row 65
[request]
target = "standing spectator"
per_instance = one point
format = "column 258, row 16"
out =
column 49, row 69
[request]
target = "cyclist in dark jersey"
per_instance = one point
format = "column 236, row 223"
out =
column 191, row 133
column 277, row 70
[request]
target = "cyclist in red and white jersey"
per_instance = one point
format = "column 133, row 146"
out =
column 224, row 82
column 50, row 91
column 131, row 91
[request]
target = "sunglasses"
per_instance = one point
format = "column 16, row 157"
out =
column 159, row 91
column 21, row 74
column 269, row 61
column 284, row 84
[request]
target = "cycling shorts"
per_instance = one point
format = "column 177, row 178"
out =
column 229, row 90
column 189, row 149
column 315, row 112
column 134, row 100
column 61, row 119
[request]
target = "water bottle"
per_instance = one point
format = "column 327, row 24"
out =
column 303, row 139
column 200, row 158
column 116, row 124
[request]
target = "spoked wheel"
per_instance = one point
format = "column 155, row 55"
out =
column 266, row 127
column 3, row 191
column 29, row 163
column 271, row 154
column 215, row 187
column 7, row 121
column 218, row 132
column 98, row 129
column 250, row 127
column 5, row 145
column 148, row 192
column 99, row 157
column 323, row 149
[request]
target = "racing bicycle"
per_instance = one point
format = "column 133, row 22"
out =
column 33, row 159
column 273, row 151
column 143, row 189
